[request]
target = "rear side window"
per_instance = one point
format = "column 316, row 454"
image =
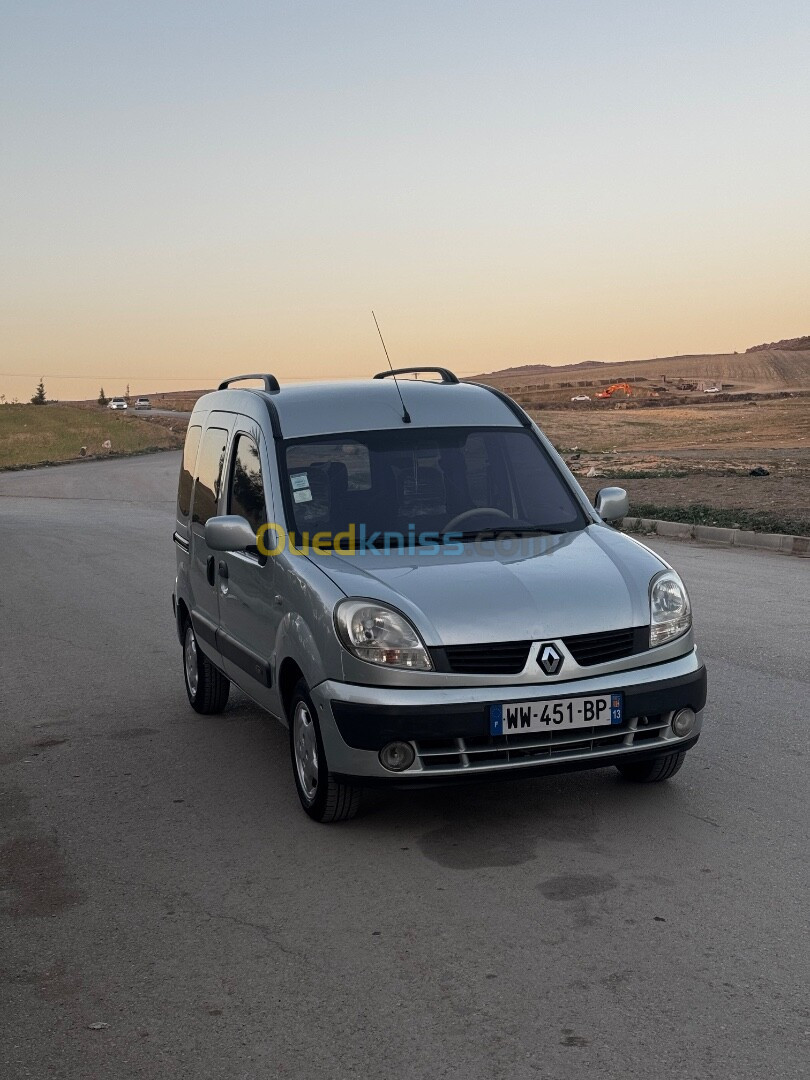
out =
column 187, row 469
column 246, row 492
column 210, row 461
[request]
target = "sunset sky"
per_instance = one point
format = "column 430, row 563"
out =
column 192, row 189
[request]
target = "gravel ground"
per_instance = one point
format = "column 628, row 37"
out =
column 787, row 495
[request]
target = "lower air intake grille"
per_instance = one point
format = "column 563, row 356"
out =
column 493, row 752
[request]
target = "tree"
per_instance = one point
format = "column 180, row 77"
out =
column 39, row 397
column 126, row 395
column 102, row 397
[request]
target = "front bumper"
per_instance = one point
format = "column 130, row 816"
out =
column 449, row 729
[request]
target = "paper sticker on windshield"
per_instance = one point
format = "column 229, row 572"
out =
column 302, row 496
column 299, row 481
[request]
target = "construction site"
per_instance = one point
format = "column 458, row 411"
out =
column 665, row 381
column 623, row 392
column 719, row 439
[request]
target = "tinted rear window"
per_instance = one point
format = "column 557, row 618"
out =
column 210, row 461
column 187, row 469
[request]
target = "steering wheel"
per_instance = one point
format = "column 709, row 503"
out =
column 475, row 512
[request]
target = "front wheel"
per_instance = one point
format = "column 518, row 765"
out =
column 654, row 769
column 322, row 797
column 207, row 688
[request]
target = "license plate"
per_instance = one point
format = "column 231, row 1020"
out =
column 560, row 714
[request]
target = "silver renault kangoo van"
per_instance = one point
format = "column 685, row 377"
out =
column 405, row 573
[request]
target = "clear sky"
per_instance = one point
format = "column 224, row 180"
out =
column 192, row 189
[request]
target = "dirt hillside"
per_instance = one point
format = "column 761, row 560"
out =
column 758, row 371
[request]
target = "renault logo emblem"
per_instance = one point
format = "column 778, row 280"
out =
column 549, row 659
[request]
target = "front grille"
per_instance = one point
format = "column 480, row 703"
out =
column 588, row 649
column 494, row 751
column 491, row 658
column 509, row 657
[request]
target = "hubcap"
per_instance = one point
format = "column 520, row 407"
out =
column 305, row 751
column 190, row 660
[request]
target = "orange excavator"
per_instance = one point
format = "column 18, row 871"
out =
column 611, row 390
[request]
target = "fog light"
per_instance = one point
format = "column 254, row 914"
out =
column 397, row 756
column 683, row 721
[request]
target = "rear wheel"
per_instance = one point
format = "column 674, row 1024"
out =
column 654, row 769
column 322, row 797
column 207, row 688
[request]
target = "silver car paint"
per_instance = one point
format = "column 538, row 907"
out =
column 550, row 585
column 596, row 579
column 203, row 599
column 342, row 407
column 247, row 607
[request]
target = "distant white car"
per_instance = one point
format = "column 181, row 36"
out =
column 143, row 403
column 117, row 403
column 712, row 390
column 581, row 397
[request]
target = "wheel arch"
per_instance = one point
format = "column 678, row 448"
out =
column 182, row 615
column 289, row 675
column 296, row 645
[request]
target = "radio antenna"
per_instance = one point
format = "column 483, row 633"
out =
column 406, row 416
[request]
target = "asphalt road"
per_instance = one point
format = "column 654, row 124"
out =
column 159, row 879
column 132, row 411
column 160, row 412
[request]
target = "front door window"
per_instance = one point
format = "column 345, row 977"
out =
column 246, row 491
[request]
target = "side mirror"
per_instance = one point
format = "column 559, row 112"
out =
column 229, row 532
column 611, row 503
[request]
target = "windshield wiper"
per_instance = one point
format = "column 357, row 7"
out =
column 541, row 530
column 396, row 541
column 494, row 533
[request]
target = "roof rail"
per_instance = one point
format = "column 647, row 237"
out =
column 447, row 376
column 510, row 403
column 270, row 382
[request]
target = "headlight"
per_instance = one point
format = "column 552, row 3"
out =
column 670, row 610
column 379, row 635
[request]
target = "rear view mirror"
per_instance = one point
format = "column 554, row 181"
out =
column 229, row 532
column 612, row 503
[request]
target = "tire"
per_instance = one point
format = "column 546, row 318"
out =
column 654, row 770
column 206, row 686
column 322, row 797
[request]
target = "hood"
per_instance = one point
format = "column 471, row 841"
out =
column 546, row 587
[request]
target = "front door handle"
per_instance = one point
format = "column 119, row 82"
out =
column 210, row 564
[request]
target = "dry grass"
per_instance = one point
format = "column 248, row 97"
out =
column 39, row 434
column 729, row 428
column 693, row 464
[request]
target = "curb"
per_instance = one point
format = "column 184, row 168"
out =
column 779, row 543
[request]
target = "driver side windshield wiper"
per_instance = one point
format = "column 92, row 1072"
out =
column 494, row 533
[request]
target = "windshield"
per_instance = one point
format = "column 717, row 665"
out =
column 417, row 482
